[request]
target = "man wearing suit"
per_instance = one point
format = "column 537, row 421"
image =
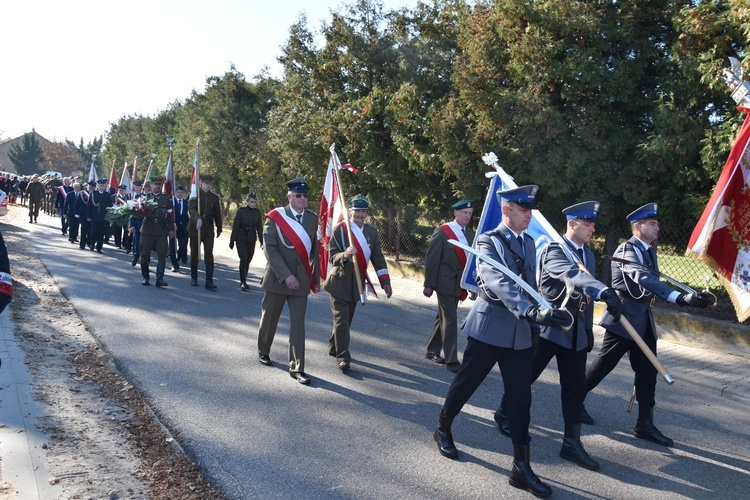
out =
column 178, row 244
column 69, row 212
column 637, row 289
column 100, row 200
column 292, row 272
column 499, row 330
column 569, row 347
column 444, row 265
column 82, row 210
column 205, row 211
column 341, row 282
column 61, row 195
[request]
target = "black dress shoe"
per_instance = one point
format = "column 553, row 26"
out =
column 300, row 377
column 435, row 357
column 161, row 283
column 193, row 281
column 134, row 262
column 453, row 367
column 175, row 269
column 445, row 443
column 264, row 359
column 145, row 282
column 645, row 429
column 244, row 287
column 344, row 365
column 98, row 251
column 572, row 450
column 586, row 418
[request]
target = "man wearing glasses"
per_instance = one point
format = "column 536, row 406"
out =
column 292, row 272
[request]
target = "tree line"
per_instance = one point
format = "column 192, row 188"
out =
column 621, row 102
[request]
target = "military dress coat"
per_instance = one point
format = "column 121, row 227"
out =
column 498, row 318
column 210, row 211
column 636, row 288
column 555, row 268
column 283, row 260
column 247, row 226
column 341, row 281
column 442, row 269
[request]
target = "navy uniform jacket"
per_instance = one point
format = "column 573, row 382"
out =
column 498, row 318
column 82, row 206
column 98, row 205
column 636, row 289
column 555, row 267
column 69, row 207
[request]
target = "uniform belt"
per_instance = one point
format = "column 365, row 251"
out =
column 649, row 301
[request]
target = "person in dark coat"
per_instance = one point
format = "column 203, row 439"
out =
column 499, row 328
column 99, row 202
column 637, row 289
column 247, row 228
column 205, row 214
column 179, row 244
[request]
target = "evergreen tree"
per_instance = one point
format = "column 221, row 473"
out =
column 27, row 158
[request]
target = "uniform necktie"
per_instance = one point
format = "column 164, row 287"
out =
column 299, row 218
column 580, row 255
column 520, row 242
column 652, row 256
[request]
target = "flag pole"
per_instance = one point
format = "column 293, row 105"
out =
column 198, row 188
column 342, row 199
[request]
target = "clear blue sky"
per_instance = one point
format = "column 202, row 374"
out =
column 69, row 68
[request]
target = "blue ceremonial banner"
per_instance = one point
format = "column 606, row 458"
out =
column 539, row 228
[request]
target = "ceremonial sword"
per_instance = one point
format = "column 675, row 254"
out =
column 515, row 278
column 678, row 284
column 624, row 322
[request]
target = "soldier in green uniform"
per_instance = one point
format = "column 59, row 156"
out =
column 205, row 212
column 154, row 233
column 35, row 190
column 246, row 230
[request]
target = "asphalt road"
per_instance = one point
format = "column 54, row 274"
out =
column 368, row 433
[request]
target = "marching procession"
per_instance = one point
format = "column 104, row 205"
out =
column 531, row 305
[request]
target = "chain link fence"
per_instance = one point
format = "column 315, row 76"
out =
column 405, row 233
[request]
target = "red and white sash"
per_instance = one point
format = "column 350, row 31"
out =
column 63, row 192
column 297, row 236
column 364, row 253
column 453, row 231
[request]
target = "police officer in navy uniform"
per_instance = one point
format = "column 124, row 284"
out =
column 499, row 330
column 569, row 348
column 100, row 200
column 637, row 290
column 82, row 210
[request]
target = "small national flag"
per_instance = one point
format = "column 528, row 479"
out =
column 169, row 176
column 92, row 172
column 329, row 213
column 126, row 180
column 539, row 228
column 113, row 183
column 194, row 179
column 721, row 238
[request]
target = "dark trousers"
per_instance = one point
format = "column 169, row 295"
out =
column 515, row 367
column 73, row 225
column 98, row 232
column 117, row 231
column 182, row 244
column 155, row 243
column 245, row 251
column 571, row 366
column 85, row 233
column 444, row 335
column 207, row 239
column 613, row 349
column 63, row 224
column 343, row 314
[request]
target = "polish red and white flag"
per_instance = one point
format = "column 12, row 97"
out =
column 721, row 238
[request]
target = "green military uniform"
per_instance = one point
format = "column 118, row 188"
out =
column 341, row 282
column 210, row 213
column 284, row 261
column 35, row 190
column 246, row 230
column 154, row 233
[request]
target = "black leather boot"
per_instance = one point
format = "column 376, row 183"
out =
column 645, row 428
column 444, row 437
column 243, row 278
column 145, row 272
column 501, row 418
column 193, row 274
column 160, row 276
column 572, row 448
column 210, row 277
column 521, row 475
